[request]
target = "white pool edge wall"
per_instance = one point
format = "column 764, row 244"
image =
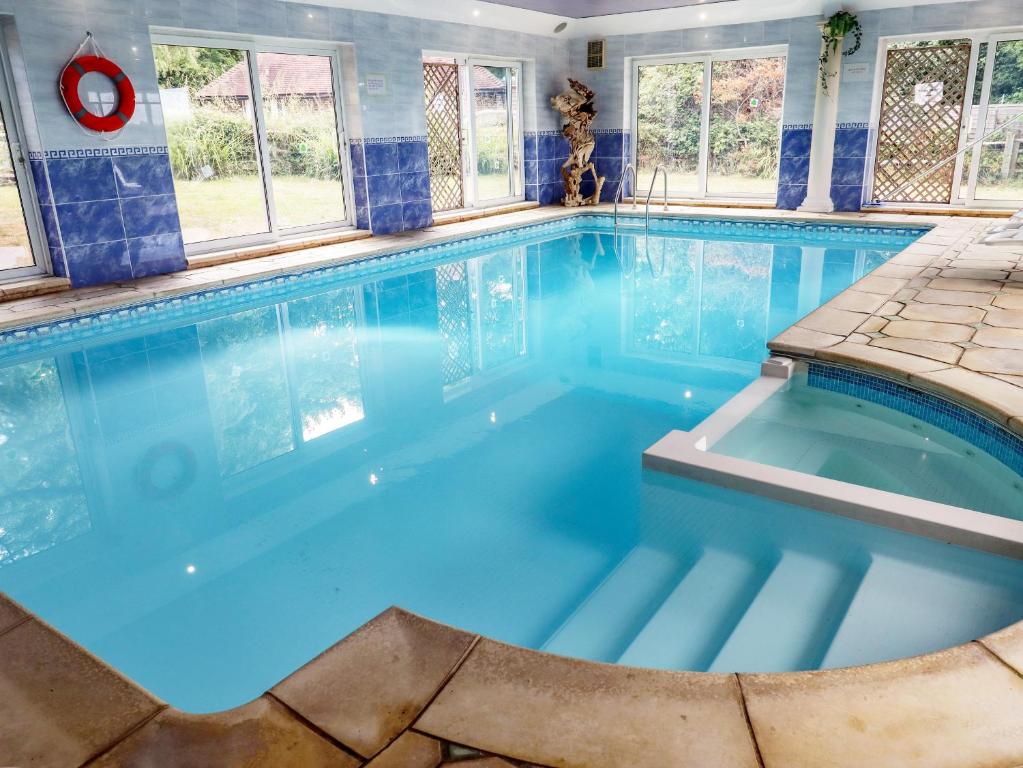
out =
column 686, row 454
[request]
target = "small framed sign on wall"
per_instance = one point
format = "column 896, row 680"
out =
column 376, row 84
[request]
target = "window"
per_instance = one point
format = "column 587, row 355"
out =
column 21, row 243
column 713, row 121
column 474, row 131
column 255, row 139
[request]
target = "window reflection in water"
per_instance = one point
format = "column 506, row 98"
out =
column 726, row 300
column 324, row 355
column 42, row 501
column 247, row 388
column 481, row 313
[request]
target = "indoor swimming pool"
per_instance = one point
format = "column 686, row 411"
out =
column 208, row 491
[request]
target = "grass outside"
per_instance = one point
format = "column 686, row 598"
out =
column 14, row 247
column 230, row 207
column 682, row 184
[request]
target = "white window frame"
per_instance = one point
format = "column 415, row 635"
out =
column 470, row 181
column 707, row 58
column 37, row 241
column 253, row 46
column 960, row 197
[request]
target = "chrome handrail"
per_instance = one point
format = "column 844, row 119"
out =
column 653, row 180
column 621, row 188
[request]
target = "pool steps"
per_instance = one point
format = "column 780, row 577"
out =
column 721, row 613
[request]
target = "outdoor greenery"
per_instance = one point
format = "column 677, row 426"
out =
column 746, row 100
column 838, row 26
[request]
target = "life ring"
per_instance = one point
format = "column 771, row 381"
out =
column 72, row 76
column 174, row 456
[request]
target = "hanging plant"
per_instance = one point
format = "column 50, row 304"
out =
column 838, row 26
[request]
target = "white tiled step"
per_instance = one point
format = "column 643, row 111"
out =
column 698, row 615
column 790, row 619
column 904, row 608
column 611, row 615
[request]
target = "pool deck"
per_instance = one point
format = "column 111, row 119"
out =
column 946, row 314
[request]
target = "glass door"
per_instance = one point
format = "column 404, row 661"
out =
column 713, row 121
column 496, row 168
column 995, row 166
column 19, row 225
column 255, row 136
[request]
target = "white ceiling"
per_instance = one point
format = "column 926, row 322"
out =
column 499, row 14
column 580, row 9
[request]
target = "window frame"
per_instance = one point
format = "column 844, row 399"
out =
column 253, row 46
column 470, row 182
column 707, row 58
column 27, row 194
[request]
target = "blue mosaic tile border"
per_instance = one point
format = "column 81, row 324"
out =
column 187, row 307
column 62, row 154
column 938, row 412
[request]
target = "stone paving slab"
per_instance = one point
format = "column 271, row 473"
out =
column 956, row 329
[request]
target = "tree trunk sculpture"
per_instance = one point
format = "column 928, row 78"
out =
column 576, row 106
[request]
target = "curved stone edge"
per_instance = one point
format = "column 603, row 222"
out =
column 922, row 317
column 406, row 692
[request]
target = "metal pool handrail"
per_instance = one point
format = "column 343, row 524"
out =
column 621, row 189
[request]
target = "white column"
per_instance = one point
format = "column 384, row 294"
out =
column 825, row 123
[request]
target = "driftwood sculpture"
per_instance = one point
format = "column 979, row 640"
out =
column 576, row 106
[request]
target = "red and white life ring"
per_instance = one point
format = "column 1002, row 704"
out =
column 123, row 110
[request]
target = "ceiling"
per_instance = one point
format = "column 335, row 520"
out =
column 583, row 9
column 603, row 18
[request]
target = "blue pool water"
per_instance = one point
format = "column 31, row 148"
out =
column 209, row 491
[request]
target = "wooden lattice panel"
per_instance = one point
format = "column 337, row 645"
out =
column 921, row 112
column 444, row 135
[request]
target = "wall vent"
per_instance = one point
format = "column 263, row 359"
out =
column 595, row 54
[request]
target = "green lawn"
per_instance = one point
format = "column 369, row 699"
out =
column 230, row 207
column 14, row 248
column 682, row 184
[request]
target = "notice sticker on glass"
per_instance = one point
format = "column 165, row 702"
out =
column 376, row 85
column 926, row 94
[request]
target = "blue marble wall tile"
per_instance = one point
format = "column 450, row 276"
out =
column 358, row 152
column 795, row 142
column 413, row 157
column 532, row 192
column 847, row 171
column 415, row 186
column 362, row 217
column 386, row 219
column 550, row 193
column 381, row 158
column 550, row 171
column 851, row 142
column 529, row 142
column 98, row 221
column 97, row 263
column 138, row 175
column 531, row 170
column 49, row 218
column 793, row 170
column 40, row 182
column 416, row 214
column 154, row 215
column 608, row 144
column 847, row 197
column 791, row 196
column 156, row 254
column 77, row 180
column 384, row 190
column 57, row 261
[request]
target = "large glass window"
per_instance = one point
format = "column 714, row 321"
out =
column 716, row 135
column 474, row 131
column 18, row 222
column 254, row 140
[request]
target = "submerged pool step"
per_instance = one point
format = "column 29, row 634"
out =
column 699, row 614
column 605, row 622
column 792, row 620
column 921, row 608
